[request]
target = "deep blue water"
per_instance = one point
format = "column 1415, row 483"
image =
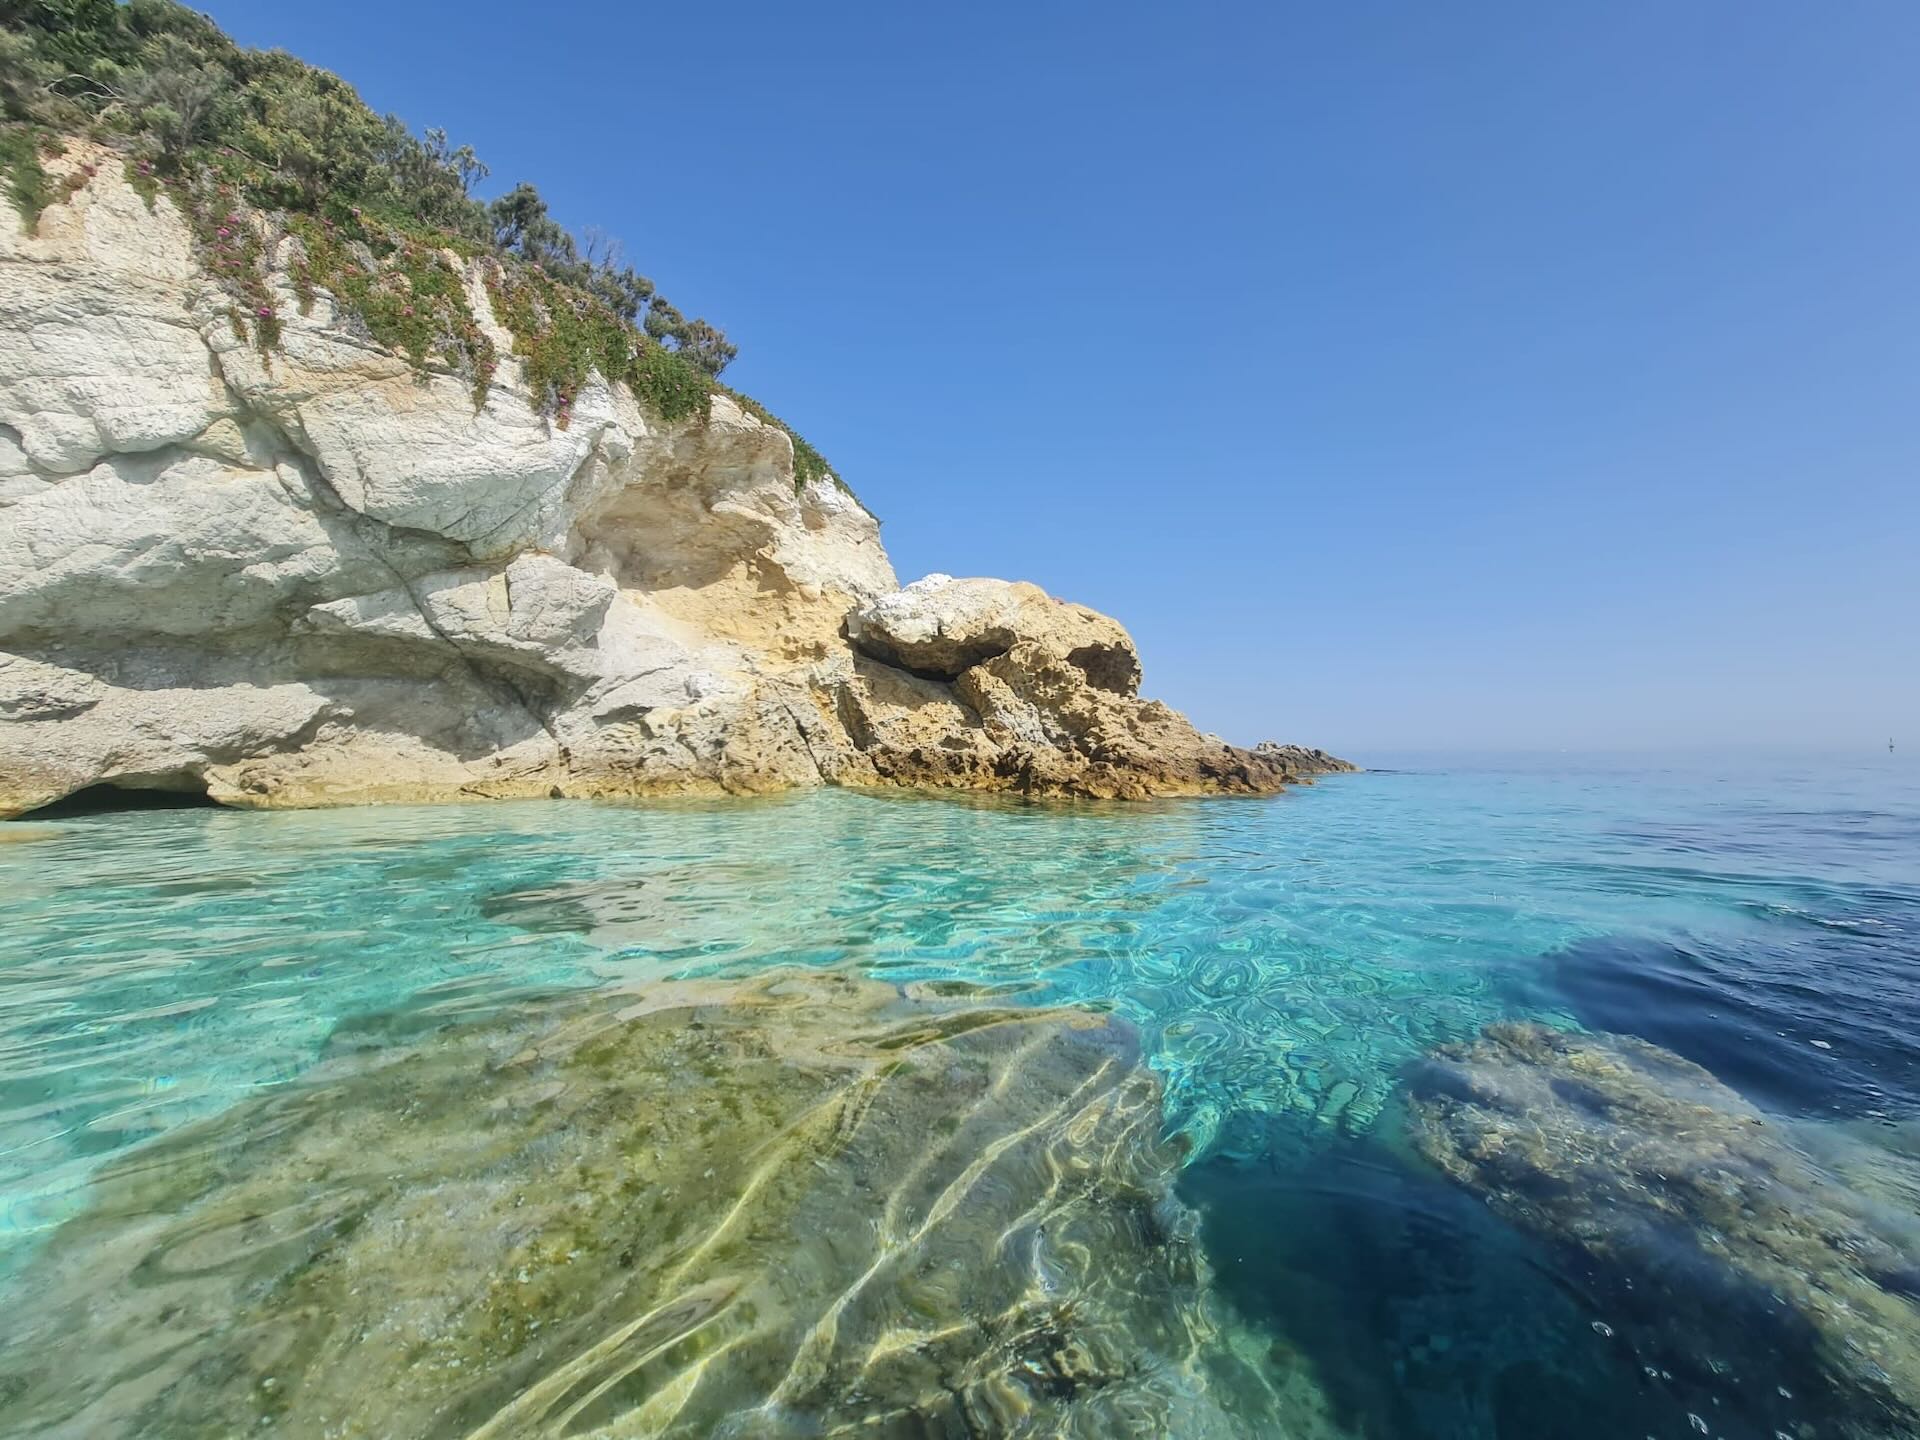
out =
column 1286, row 960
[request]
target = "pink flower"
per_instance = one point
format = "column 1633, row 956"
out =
column 265, row 312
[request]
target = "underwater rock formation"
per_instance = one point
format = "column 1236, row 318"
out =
column 806, row 1205
column 1764, row 1294
column 321, row 571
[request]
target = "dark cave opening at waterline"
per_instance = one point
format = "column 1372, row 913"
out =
column 114, row 799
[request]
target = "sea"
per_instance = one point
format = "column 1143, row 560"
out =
column 1302, row 974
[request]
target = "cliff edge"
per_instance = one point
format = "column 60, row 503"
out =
column 327, row 571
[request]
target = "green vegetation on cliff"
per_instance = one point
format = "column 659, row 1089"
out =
column 256, row 146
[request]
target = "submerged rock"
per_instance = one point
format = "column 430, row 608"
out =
column 1767, row 1296
column 804, row 1206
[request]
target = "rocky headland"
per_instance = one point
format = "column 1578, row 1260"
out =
column 268, row 559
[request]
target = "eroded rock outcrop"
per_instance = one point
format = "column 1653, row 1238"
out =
column 805, row 1205
column 320, row 574
column 1754, row 1285
column 1304, row 760
column 995, row 684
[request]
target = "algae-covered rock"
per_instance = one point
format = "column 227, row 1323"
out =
column 1770, row 1299
column 804, row 1206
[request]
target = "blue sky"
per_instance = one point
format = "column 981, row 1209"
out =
column 1483, row 374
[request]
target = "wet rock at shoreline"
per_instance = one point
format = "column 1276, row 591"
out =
column 1762, row 1292
column 801, row 1206
column 1304, row 760
column 996, row 685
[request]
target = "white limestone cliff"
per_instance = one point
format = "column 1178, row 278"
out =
column 315, row 576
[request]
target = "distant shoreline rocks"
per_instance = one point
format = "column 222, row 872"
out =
column 1303, row 760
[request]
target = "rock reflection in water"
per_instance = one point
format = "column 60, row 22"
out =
column 1768, row 1298
column 804, row 1205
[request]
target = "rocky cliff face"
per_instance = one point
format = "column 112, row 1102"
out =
column 320, row 575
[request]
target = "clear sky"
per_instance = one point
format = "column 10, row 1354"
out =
column 1482, row 374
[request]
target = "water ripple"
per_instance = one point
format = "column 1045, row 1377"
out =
column 1282, row 958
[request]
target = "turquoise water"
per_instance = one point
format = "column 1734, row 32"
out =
column 1284, row 959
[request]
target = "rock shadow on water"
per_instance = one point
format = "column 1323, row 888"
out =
column 1759, row 1293
column 1401, row 1298
column 802, row 1205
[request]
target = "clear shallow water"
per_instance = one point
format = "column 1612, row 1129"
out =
column 1284, row 960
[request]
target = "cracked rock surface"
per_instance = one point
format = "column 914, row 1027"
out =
column 317, row 577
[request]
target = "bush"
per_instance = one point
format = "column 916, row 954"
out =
column 254, row 145
column 25, row 177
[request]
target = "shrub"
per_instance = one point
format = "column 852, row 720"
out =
column 253, row 145
column 26, row 178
